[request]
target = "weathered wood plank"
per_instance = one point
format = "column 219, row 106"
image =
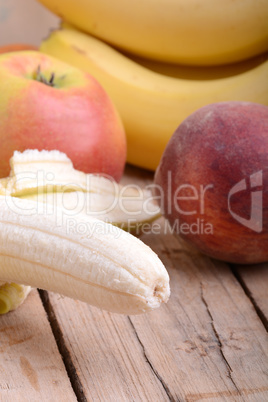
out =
column 207, row 343
column 106, row 353
column 31, row 368
column 254, row 279
column 140, row 177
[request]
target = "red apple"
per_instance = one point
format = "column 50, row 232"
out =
column 47, row 104
column 15, row 47
column 212, row 181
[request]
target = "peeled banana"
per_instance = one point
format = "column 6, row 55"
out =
column 92, row 261
column 198, row 32
column 152, row 104
column 66, row 200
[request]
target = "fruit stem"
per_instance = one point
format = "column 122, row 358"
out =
column 40, row 78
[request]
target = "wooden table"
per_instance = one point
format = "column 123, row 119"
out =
column 209, row 343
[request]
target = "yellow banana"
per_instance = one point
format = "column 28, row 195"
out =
column 12, row 296
column 198, row 32
column 152, row 104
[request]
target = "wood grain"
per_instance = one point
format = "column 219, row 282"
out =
column 254, row 280
column 207, row 343
column 31, row 368
column 105, row 352
column 215, row 345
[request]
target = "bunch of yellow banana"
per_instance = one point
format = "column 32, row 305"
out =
column 154, row 98
column 198, row 32
column 152, row 94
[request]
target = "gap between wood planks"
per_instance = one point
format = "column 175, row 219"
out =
column 229, row 368
column 165, row 386
column 261, row 314
column 74, row 378
column 64, row 352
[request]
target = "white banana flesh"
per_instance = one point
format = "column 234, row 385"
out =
column 37, row 171
column 49, row 177
column 92, row 261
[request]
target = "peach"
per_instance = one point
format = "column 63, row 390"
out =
column 212, row 181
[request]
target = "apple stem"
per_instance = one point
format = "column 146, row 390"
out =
column 40, row 78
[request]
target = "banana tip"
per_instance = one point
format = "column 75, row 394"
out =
column 161, row 294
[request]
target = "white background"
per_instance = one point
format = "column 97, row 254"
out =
column 24, row 21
